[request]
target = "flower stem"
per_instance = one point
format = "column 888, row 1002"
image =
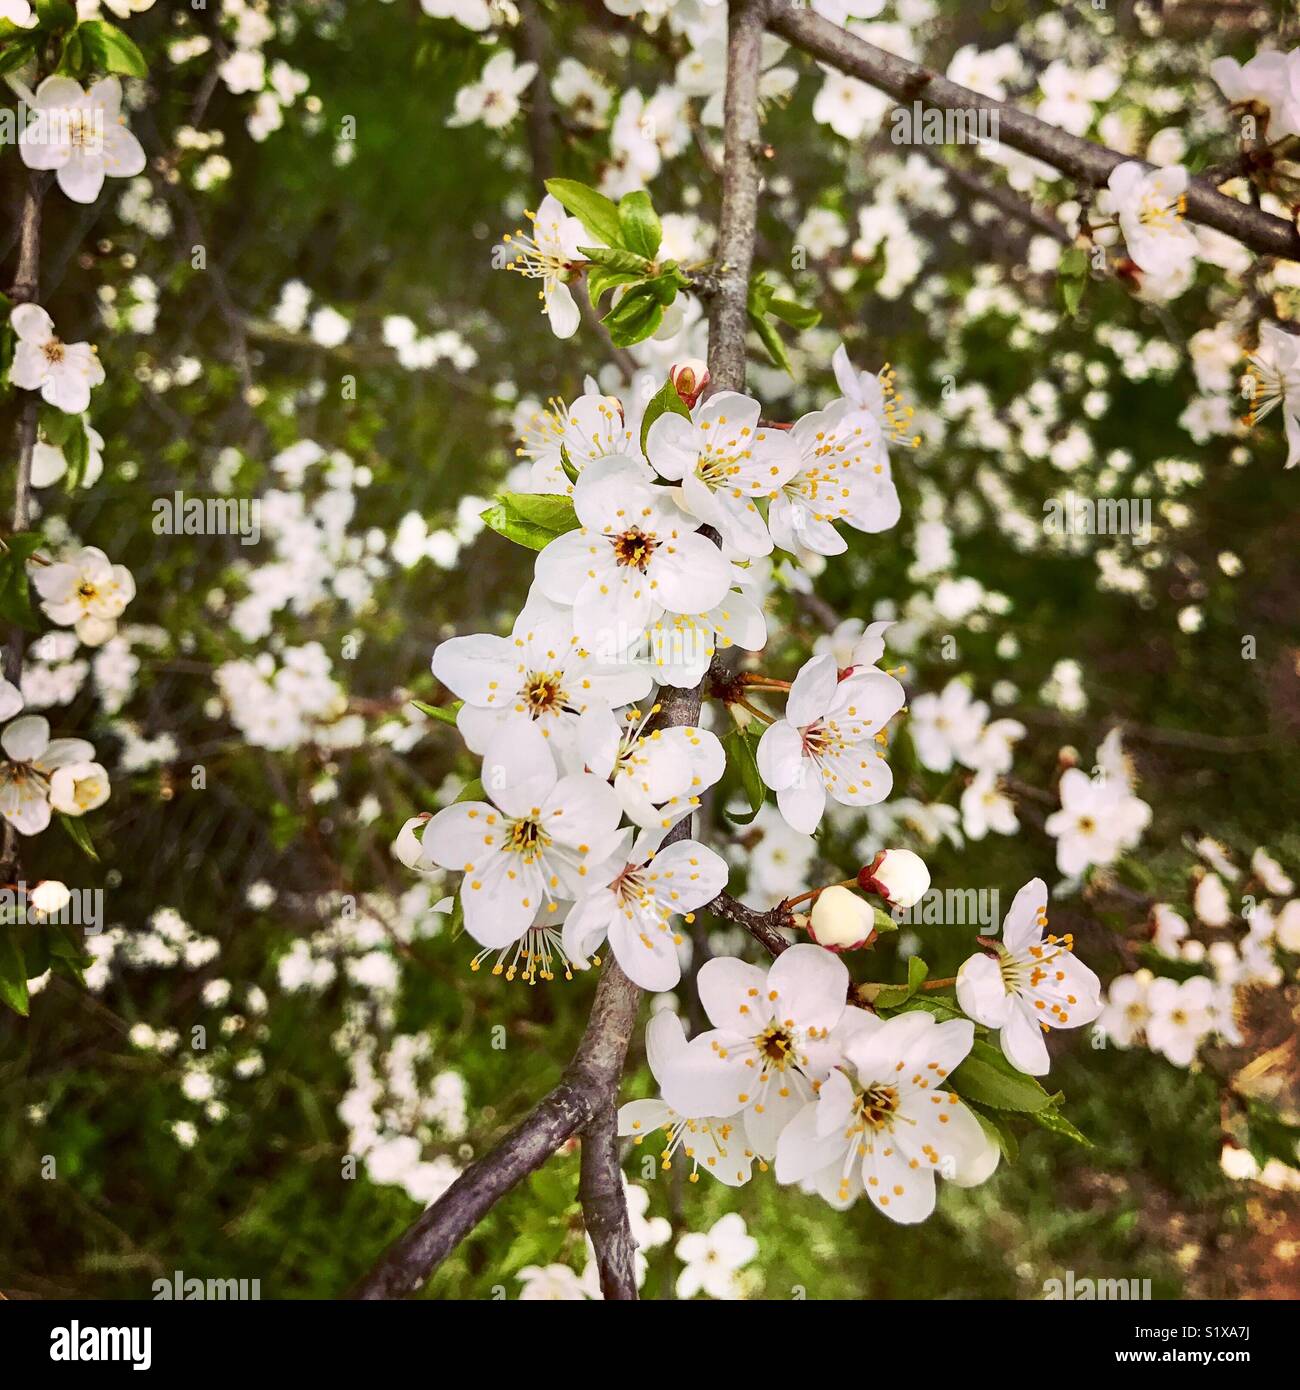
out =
column 817, row 892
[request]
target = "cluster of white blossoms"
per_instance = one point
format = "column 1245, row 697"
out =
column 580, row 788
column 1100, row 815
column 953, row 727
column 81, row 135
column 844, row 1101
column 394, row 1111
column 39, row 775
column 1234, row 950
column 847, row 1102
column 285, row 705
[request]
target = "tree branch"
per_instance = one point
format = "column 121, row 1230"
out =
column 604, row 1208
column 589, row 1082
column 1079, row 159
column 24, row 290
column 764, row 927
column 728, row 317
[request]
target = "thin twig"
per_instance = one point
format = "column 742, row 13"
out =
column 1079, row 159
column 764, row 927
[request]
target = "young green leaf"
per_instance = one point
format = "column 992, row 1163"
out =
column 996, row 1128
column 799, row 316
column 742, row 758
column 639, row 224
column 55, row 14
column 665, row 401
column 109, row 48
column 15, row 591
column 891, row 996
column 531, row 519
column 1072, row 277
column 636, row 316
column 615, row 258
column 771, row 340
column 445, row 713
column 18, row 51
column 600, row 279
column 80, row 836
column 13, row 972
column 1053, row 1119
column 987, row 1077
column 596, row 212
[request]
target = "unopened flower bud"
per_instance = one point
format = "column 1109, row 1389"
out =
column 840, row 920
column 689, row 378
column 898, row 875
column 49, row 896
column 407, row 848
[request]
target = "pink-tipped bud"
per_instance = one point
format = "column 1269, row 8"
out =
column 840, row 920
column 689, row 379
column 898, row 875
column 408, row 848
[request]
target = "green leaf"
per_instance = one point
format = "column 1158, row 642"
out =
column 471, row 791
column 665, row 401
column 1072, row 277
column 55, row 14
column 72, row 55
column 456, row 927
column 531, row 519
column 636, row 316
column 759, row 295
column 885, row 922
column 934, row 1004
column 15, row 590
column 596, row 212
column 76, row 453
column 56, row 425
column 796, row 315
column 742, row 758
column 989, row 1079
column 1268, row 1135
column 771, row 340
column 67, row 955
column 665, row 286
column 997, row 1129
column 445, row 713
column 76, row 828
column 599, row 280
column 891, row 996
column 639, row 224
column 109, row 48
column 1052, row 1119
column 18, row 51
column 615, row 258
column 13, row 973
